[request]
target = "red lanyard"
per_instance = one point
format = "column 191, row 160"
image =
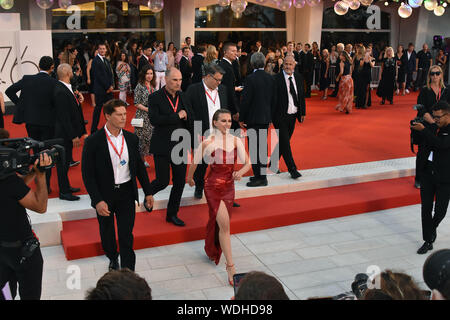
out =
column 112, row 145
column 439, row 95
column 148, row 88
column 210, row 98
column 78, row 102
column 171, row 103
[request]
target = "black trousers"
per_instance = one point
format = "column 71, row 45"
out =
column 100, row 100
column 421, row 161
column 124, row 209
column 409, row 79
column 255, row 146
column 199, row 175
column 286, row 127
column 421, row 79
column 308, row 76
column 162, row 170
column 63, row 169
column 336, row 88
column 41, row 133
column 429, row 190
column 28, row 274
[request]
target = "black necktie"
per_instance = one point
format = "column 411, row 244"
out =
column 292, row 92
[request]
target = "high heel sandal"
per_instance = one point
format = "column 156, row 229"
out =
column 231, row 282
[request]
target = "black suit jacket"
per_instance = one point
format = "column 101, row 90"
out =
column 35, row 105
column 228, row 81
column 197, row 64
column 165, row 121
column 440, row 145
column 257, row 99
column 142, row 63
column 306, row 62
column 69, row 116
column 237, row 72
column 97, row 170
column 281, row 99
column 186, row 73
column 195, row 98
column 411, row 62
column 103, row 78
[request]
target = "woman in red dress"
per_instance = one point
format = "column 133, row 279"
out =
column 221, row 151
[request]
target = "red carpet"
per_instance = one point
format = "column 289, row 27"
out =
column 327, row 138
column 81, row 238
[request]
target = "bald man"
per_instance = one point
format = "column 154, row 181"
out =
column 169, row 112
column 69, row 126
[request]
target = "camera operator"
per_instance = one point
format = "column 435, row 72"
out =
column 433, row 92
column 435, row 179
column 20, row 256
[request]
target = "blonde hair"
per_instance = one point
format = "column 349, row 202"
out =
column 211, row 54
column 386, row 52
column 441, row 81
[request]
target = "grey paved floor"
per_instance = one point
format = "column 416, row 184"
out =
column 311, row 259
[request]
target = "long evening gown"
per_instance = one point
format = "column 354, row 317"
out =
column 219, row 186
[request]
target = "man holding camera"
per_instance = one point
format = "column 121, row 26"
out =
column 20, row 256
column 435, row 180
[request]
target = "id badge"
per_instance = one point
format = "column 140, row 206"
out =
column 123, row 162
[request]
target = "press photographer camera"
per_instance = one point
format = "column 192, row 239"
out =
column 15, row 154
column 20, row 255
column 416, row 138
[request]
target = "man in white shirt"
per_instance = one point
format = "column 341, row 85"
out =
column 110, row 165
column 160, row 61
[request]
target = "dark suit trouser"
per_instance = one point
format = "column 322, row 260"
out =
column 63, row 168
column 429, row 189
column 421, row 79
column 308, row 76
column 421, row 161
column 409, row 79
column 255, row 146
column 100, row 100
column 123, row 207
column 41, row 133
column 286, row 127
column 199, row 175
column 162, row 171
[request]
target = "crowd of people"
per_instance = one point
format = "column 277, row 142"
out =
column 224, row 89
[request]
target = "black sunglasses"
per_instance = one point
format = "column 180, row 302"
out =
column 437, row 73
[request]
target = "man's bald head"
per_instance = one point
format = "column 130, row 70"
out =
column 173, row 80
column 64, row 71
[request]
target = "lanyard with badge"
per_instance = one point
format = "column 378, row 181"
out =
column 122, row 161
column 175, row 108
column 210, row 98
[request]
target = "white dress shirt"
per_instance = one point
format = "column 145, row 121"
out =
column 227, row 60
column 121, row 172
column 292, row 109
column 212, row 106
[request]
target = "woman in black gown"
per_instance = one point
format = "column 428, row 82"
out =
column 324, row 74
column 401, row 60
column 386, row 86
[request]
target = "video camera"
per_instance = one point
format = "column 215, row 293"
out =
column 15, row 154
column 420, row 108
column 415, row 136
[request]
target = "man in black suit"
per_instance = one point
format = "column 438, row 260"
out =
column 205, row 98
column 169, row 112
column 186, row 69
column 103, row 84
column 145, row 59
column 289, row 106
column 410, row 66
column 229, row 81
column 110, row 165
column 35, row 105
column 260, row 48
column 69, row 126
column 435, row 179
column 256, row 113
column 197, row 64
column 306, row 68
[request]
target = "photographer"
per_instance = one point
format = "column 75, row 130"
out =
column 435, row 179
column 433, row 92
column 20, row 258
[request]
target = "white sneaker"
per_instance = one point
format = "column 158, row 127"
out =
column 407, row 91
column 146, row 164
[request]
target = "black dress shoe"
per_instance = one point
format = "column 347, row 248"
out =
column 295, row 174
column 425, row 248
column 198, row 193
column 417, row 184
column 114, row 265
column 74, row 190
column 257, row 183
column 68, row 197
column 382, row 101
column 236, row 205
column 175, row 221
column 74, row 163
